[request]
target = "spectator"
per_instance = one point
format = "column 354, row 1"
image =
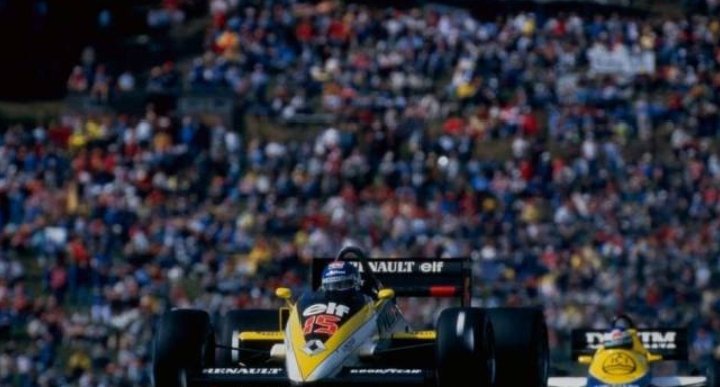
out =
column 126, row 82
column 77, row 82
column 101, row 85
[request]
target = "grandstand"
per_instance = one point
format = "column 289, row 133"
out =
column 202, row 152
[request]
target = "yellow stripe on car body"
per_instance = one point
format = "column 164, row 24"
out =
column 419, row 335
column 277, row 336
column 308, row 363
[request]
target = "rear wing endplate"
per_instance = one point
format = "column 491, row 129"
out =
column 672, row 344
column 413, row 277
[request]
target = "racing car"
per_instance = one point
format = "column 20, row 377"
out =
column 324, row 338
column 622, row 358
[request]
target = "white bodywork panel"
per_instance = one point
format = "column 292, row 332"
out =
column 669, row 381
column 567, row 382
column 278, row 352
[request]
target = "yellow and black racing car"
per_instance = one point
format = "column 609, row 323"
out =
column 622, row 357
column 349, row 331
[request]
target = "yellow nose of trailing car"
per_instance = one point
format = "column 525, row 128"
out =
column 618, row 366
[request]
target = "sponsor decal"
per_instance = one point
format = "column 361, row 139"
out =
column 619, row 364
column 658, row 340
column 331, row 308
column 336, row 265
column 418, row 335
column 323, row 319
column 323, row 324
column 391, row 266
column 385, row 371
column 652, row 340
column 261, row 335
column 313, row 347
column 243, row 371
column 268, row 333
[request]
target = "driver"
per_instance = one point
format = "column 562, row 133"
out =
column 620, row 335
column 340, row 276
column 618, row 338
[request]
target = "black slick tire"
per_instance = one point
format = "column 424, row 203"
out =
column 521, row 347
column 465, row 353
column 184, row 344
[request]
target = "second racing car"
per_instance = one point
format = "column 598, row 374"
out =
column 622, row 357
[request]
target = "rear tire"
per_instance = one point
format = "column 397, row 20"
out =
column 184, row 345
column 236, row 321
column 465, row 349
column 521, row 342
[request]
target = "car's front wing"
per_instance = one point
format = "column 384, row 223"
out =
column 669, row 381
column 276, row 377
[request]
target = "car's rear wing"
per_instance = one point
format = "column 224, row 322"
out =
column 413, row 277
column 672, row 344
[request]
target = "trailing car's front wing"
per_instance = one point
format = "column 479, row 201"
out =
column 276, row 377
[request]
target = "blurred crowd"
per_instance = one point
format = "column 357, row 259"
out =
column 104, row 72
column 589, row 187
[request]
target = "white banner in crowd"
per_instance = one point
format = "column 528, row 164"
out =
column 620, row 60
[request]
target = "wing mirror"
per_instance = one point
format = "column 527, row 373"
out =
column 584, row 359
column 386, row 294
column 284, row 293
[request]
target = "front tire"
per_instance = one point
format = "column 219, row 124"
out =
column 465, row 349
column 521, row 342
column 184, row 345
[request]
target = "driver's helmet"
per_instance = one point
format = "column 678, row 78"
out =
column 618, row 338
column 340, row 276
